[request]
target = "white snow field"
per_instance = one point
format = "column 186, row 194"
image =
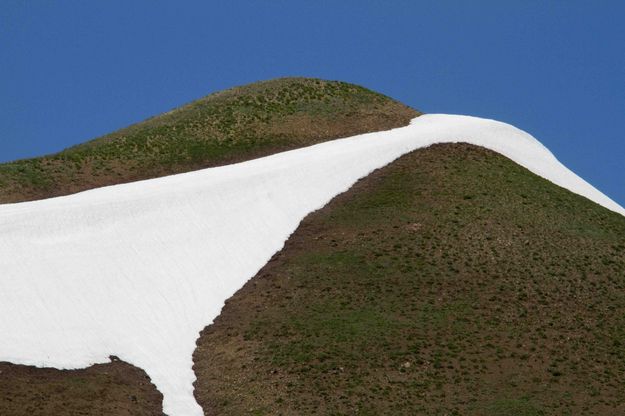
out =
column 137, row 270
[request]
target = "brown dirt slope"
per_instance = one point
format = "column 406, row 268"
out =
column 452, row 282
column 230, row 126
column 105, row 389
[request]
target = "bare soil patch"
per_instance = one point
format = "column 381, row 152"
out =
column 105, row 389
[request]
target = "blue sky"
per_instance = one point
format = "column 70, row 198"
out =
column 74, row 70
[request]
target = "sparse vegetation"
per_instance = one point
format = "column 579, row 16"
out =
column 452, row 281
column 404, row 296
column 229, row 126
column 104, row 389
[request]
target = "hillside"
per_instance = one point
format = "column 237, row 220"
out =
column 229, row 126
column 452, row 281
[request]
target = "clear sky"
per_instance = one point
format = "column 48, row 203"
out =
column 73, row 70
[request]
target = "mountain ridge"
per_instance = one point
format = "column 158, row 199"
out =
column 451, row 281
column 254, row 207
column 136, row 270
column 228, row 126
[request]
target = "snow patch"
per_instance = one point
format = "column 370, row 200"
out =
column 138, row 270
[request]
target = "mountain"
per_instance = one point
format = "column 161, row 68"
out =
column 229, row 126
column 451, row 280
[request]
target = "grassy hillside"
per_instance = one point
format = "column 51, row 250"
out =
column 229, row 126
column 452, row 282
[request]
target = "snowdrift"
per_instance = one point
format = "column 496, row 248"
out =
column 137, row 270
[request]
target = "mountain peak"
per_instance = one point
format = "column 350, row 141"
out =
column 229, row 126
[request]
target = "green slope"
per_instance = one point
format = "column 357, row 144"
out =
column 452, row 282
column 229, row 126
